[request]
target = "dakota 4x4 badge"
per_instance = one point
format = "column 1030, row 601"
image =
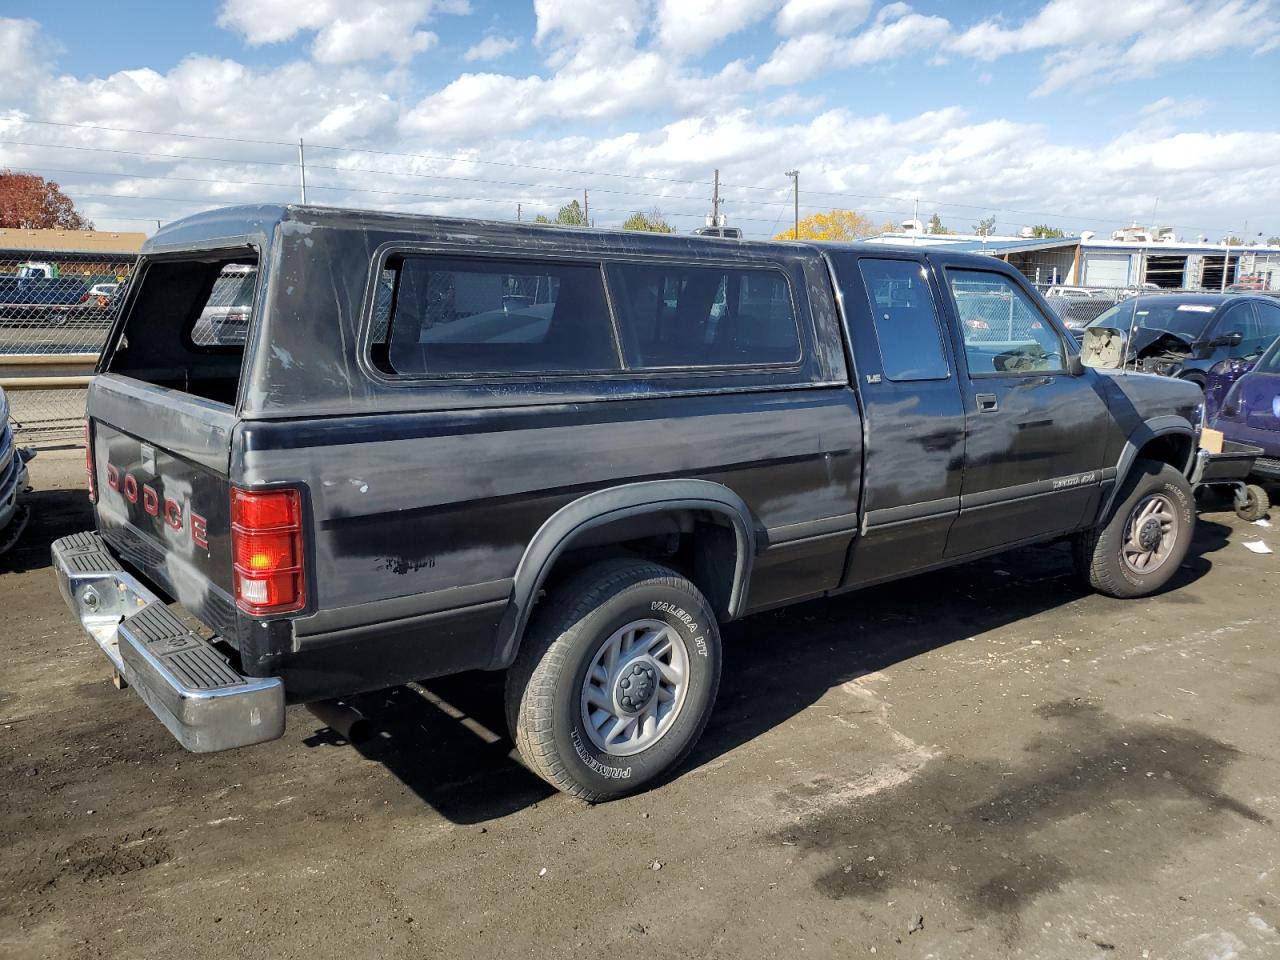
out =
column 1075, row 480
column 174, row 517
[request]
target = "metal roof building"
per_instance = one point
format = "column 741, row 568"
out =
column 1094, row 262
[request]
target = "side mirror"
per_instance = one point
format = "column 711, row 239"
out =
column 1233, row 339
column 1103, row 348
column 1075, row 366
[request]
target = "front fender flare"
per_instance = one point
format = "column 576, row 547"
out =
column 1144, row 433
column 619, row 503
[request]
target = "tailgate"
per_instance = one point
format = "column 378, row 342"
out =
column 160, row 467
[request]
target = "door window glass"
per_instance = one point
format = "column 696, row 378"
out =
column 905, row 320
column 1268, row 323
column 1003, row 331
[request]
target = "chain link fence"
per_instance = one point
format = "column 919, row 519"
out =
column 55, row 310
column 1078, row 306
column 39, row 416
column 55, row 313
column 58, row 303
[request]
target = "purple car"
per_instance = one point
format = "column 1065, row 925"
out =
column 1250, row 413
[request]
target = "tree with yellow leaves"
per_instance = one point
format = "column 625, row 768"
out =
column 832, row 225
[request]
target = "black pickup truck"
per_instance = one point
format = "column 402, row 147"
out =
column 449, row 445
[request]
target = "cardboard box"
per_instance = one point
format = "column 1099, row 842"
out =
column 1211, row 440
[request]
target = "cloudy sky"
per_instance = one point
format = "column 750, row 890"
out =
column 1085, row 114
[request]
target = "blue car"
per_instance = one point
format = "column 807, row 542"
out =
column 1251, row 414
column 1190, row 335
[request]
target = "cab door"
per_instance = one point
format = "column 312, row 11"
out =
column 1035, row 433
column 913, row 414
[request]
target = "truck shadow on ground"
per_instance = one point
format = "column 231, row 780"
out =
column 54, row 514
column 446, row 739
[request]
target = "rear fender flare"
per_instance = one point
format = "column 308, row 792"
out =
column 620, row 503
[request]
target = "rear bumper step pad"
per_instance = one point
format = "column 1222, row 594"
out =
column 182, row 677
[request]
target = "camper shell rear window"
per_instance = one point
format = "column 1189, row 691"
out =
column 187, row 321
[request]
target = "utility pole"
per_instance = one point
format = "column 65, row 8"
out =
column 518, row 211
column 715, row 201
column 795, row 194
column 302, row 170
column 586, row 210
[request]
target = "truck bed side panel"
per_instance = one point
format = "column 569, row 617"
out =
column 416, row 513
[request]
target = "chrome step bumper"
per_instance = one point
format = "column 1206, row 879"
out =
column 185, row 681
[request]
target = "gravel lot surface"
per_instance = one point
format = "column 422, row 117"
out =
column 986, row 762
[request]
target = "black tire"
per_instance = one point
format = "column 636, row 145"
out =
column 1256, row 504
column 545, row 684
column 1098, row 553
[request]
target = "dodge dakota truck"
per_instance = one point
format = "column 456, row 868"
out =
column 572, row 455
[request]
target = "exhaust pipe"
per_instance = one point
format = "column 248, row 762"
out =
column 343, row 719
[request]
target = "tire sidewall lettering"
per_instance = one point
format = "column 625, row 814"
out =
column 689, row 623
column 642, row 767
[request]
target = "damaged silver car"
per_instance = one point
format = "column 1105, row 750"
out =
column 14, row 514
column 1187, row 335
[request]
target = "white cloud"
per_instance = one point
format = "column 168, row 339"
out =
column 24, row 53
column 1062, row 23
column 829, row 16
column 344, row 32
column 601, row 22
column 491, row 48
column 691, row 27
column 895, row 33
column 1097, row 41
column 606, row 74
column 199, row 96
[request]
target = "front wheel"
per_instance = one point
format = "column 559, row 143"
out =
column 615, row 680
column 1145, row 539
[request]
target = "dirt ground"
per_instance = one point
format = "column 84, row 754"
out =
column 982, row 763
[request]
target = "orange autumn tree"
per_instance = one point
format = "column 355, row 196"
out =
column 833, row 225
column 29, row 202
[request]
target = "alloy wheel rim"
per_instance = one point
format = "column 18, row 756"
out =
column 1150, row 534
column 635, row 687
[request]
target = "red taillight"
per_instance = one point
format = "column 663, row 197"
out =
column 266, row 550
column 88, row 460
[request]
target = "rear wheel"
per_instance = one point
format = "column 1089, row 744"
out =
column 1145, row 539
column 615, row 680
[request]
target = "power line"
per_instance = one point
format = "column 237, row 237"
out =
column 176, row 158
column 386, row 153
column 212, row 202
column 838, row 195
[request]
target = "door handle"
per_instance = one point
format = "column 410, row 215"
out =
column 987, row 403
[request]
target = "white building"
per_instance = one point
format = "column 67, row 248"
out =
column 1089, row 261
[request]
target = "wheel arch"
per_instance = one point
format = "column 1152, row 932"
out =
column 615, row 505
column 1168, row 439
